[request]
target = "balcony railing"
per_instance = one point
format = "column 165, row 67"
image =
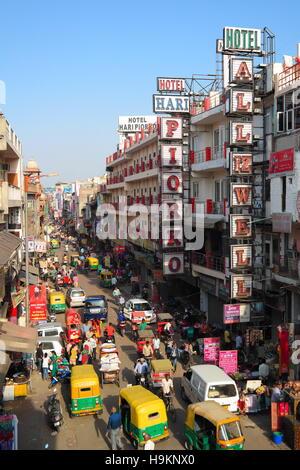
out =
column 288, row 77
column 208, row 103
column 289, row 266
column 216, row 263
column 210, row 207
column 207, row 154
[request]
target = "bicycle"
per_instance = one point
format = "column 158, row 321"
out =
column 170, row 406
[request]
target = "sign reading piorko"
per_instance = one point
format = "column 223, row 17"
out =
column 129, row 124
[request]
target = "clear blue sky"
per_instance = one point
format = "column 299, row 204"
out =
column 72, row 67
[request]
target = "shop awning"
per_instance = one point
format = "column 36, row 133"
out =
column 16, row 338
column 33, row 274
column 9, row 243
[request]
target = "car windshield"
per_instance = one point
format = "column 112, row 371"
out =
column 141, row 307
column 221, row 391
column 95, row 303
column 77, row 293
column 230, row 431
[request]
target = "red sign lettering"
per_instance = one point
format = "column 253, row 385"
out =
column 242, row 227
column 242, row 195
column 240, row 137
column 174, row 264
column 242, row 164
column 173, row 182
column 240, row 102
column 172, row 127
column 172, row 151
column 243, row 72
column 240, row 258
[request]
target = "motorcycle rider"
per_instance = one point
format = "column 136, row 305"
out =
column 110, row 331
column 141, row 370
column 116, row 292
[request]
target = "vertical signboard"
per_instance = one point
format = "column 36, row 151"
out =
column 211, row 350
column 38, row 303
column 228, row 361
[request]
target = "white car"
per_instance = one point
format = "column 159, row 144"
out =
column 75, row 297
column 139, row 305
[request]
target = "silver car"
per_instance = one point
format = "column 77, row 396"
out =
column 75, row 297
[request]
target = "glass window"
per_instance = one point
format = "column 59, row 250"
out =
column 289, row 120
column 221, row 391
column 280, row 122
column 77, row 293
column 153, row 416
column 141, row 307
column 51, row 333
column 230, row 431
column 288, row 98
column 280, row 104
column 46, row 346
column 297, row 118
column 217, row 191
column 95, row 303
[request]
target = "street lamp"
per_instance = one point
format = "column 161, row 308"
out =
column 26, row 246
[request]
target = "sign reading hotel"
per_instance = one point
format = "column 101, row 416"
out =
column 240, row 226
column 241, row 133
column 241, row 286
column 131, row 124
column 241, row 256
column 241, row 40
column 241, row 195
column 240, row 164
column 171, row 104
column 170, row 84
column 281, row 161
column 171, row 128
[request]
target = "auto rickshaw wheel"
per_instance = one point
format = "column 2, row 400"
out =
column 135, row 443
column 187, row 445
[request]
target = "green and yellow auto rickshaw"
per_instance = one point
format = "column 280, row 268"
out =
column 74, row 257
column 105, row 278
column 93, row 263
column 210, row 426
column 142, row 412
column 85, row 391
column 57, row 302
column 54, row 243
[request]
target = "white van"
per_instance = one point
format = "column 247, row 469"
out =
column 49, row 329
column 51, row 343
column 206, row 382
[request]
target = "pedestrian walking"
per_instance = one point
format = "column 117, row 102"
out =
column 174, row 355
column 156, row 346
column 93, row 346
column 45, row 365
column 114, row 429
column 39, row 357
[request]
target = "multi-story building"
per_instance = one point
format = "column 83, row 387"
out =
column 11, row 178
column 35, row 200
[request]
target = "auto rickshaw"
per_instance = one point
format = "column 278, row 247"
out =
column 210, row 426
column 74, row 257
column 142, row 413
column 73, row 325
column 57, row 302
column 142, row 337
column 93, row 264
column 85, row 391
column 54, row 243
column 158, row 370
column 162, row 320
column 105, row 278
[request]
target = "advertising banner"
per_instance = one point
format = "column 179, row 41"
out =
column 211, row 350
column 228, row 361
column 38, row 303
column 281, row 161
column 236, row 313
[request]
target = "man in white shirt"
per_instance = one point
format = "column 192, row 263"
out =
column 156, row 346
column 113, row 281
column 263, row 369
column 149, row 445
column 167, row 385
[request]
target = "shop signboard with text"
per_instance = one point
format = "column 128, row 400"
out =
column 211, row 350
column 38, row 303
column 281, row 161
column 228, row 361
column 236, row 313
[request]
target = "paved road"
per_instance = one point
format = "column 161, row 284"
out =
column 87, row 432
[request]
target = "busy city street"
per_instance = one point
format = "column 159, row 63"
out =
column 149, row 229
column 88, row 432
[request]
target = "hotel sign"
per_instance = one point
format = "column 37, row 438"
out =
column 241, row 70
column 171, row 128
column 240, row 164
column 171, row 104
column 241, row 195
column 241, row 286
column 241, row 256
column 241, row 133
column 170, row 84
column 240, row 226
column 241, row 40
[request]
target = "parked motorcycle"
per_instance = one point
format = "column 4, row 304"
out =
column 60, row 377
column 54, row 411
column 122, row 328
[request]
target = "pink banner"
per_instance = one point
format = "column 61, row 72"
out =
column 228, row 361
column 211, row 350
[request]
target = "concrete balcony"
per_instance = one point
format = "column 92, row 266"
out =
column 209, row 115
column 14, row 196
column 9, row 141
column 287, row 80
column 208, row 264
column 288, row 271
column 213, row 211
column 142, row 175
column 209, row 159
column 4, row 197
